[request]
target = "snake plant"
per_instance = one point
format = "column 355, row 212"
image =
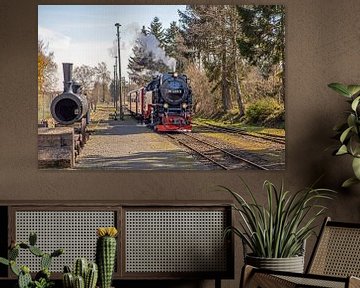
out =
column 279, row 228
column 349, row 132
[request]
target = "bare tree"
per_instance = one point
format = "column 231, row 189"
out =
column 85, row 76
column 103, row 76
column 46, row 75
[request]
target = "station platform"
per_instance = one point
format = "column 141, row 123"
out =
column 128, row 145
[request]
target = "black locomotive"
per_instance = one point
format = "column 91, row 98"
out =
column 165, row 103
column 70, row 106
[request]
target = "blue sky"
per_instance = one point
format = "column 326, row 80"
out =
column 85, row 34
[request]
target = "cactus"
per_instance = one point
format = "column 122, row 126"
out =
column 24, row 245
column 67, row 269
column 36, row 251
column 91, row 276
column 79, row 282
column 43, row 274
column 68, row 280
column 13, row 253
column 88, row 273
column 4, row 261
column 14, row 268
column 24, row 278
column 45, row 261
column 57, row 252
column 80, row 267
column 32, row 238
column 105, row 254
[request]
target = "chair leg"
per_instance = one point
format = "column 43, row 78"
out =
column 354, row 282
column 250, row 278
column 246, row 273
column 217, row 283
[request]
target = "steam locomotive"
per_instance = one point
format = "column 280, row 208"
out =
column 70, row 106
column 164, row 104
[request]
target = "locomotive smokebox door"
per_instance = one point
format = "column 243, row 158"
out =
column 174, row 89
column 70, row 106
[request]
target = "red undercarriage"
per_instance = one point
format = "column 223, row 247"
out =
column 174, row 123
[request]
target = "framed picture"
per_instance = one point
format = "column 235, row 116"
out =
column 161, row 87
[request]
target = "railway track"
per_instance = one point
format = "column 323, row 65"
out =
column 254, row 136
column 214, row 154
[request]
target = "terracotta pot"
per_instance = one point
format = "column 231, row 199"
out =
column 291, row 264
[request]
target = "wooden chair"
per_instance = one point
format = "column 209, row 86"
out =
column 334, row 263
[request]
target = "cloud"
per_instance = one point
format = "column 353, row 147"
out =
column 67, row 49
column 88, row 53
column 56, row 40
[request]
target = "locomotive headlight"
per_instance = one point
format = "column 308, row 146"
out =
column 176, row 74
column 166, row 105
column 184, row 105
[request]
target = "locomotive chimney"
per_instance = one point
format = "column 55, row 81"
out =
column 67, row 68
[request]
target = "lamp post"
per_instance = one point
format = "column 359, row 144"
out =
column 115, row 83
column 114, row 88
column 119, row 57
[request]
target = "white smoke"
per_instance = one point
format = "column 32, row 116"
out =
column 152, row 47
column 132, row 30
column 113, row 50
column 147, row 72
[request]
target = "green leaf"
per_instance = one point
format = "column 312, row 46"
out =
column 342, row 150
column 345, row 134
column 4, row 261
column 279, row 228
column 349, row 182
column 355, row 103
column 354, row 146
column 356, row 167
column 351, row 120
column 353, row 89
column 340, row 88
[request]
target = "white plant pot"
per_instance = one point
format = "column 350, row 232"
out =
column 291, row 264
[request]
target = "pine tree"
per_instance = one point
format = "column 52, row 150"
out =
column 158, row 31
column 170, row 39
column 211, row 32
column 139, row 62
column 263, row 41
column 146, row 61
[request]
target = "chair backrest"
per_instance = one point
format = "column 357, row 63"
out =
column 337, row 251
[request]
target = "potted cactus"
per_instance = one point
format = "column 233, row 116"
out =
column 84, row 275
column 106, row 254
column 42, row 278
